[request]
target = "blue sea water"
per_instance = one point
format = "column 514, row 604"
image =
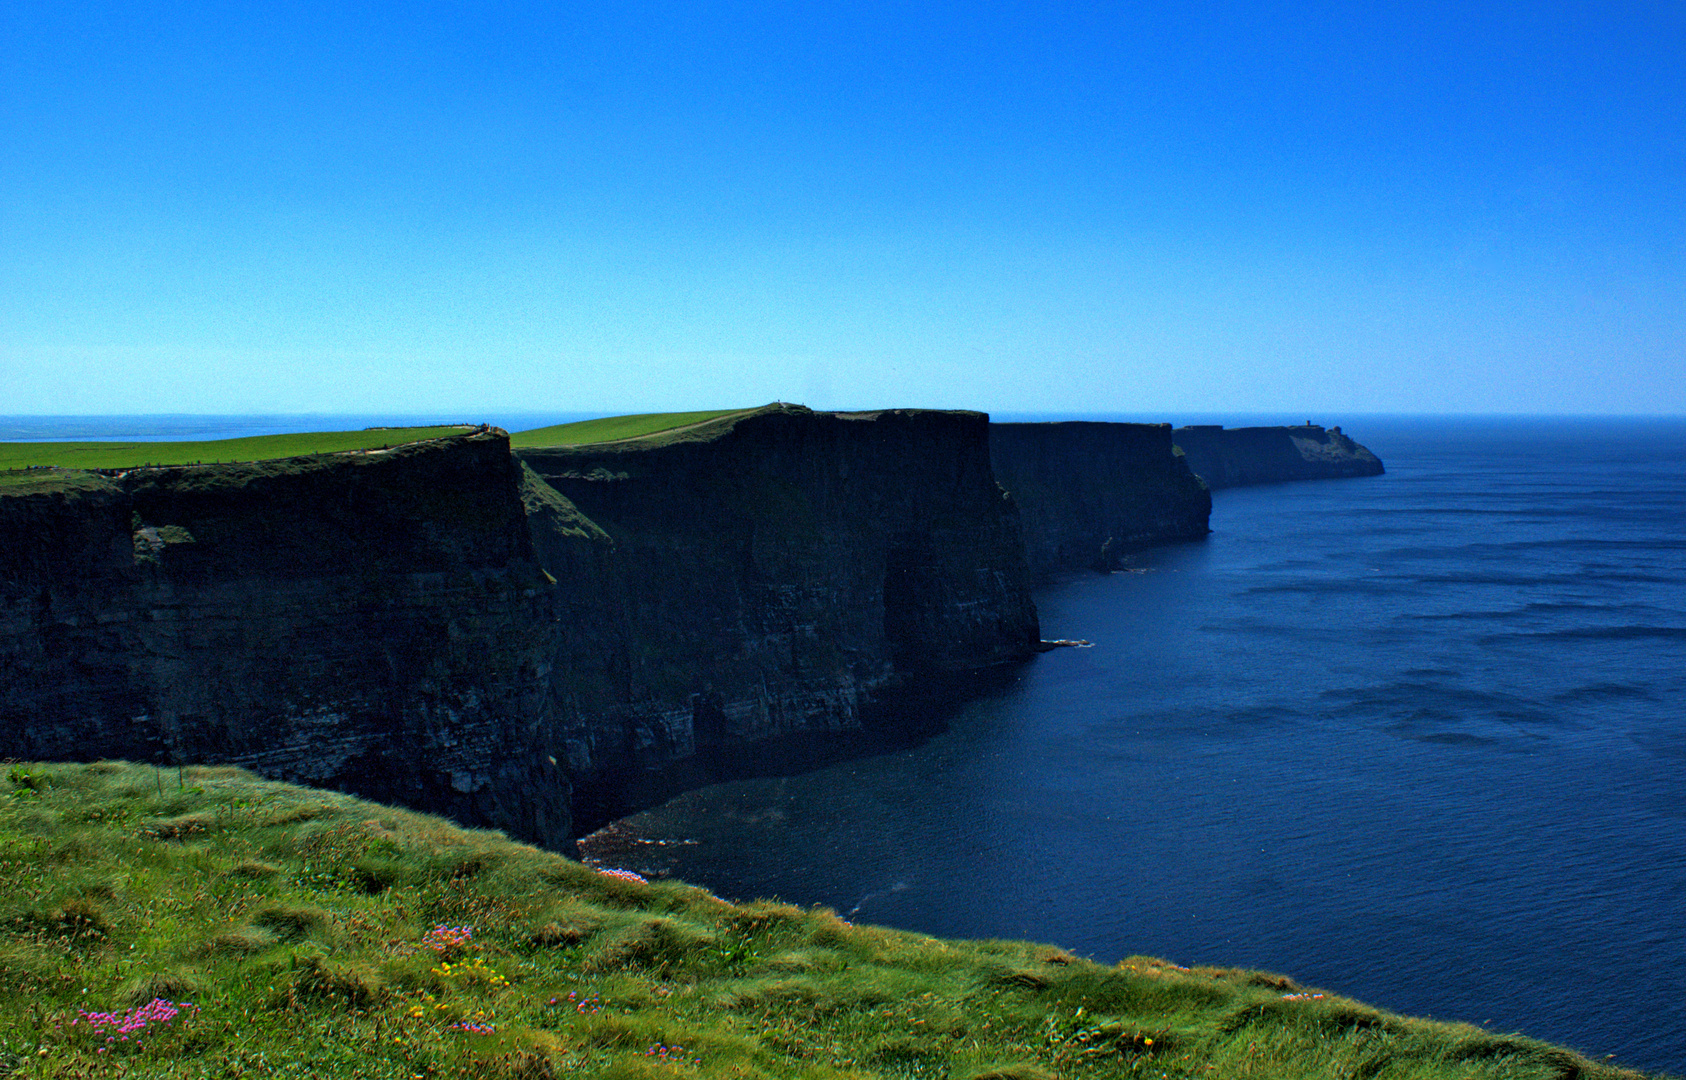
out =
column 1418, row 738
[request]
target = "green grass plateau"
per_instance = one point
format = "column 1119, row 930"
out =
column 129, row 455
column 31, row 467
column 250, row 928
column 618, row 428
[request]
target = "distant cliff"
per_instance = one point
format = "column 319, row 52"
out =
column 1089, row 492
column 756, row 585
column 373, row 621
column 1260, row 455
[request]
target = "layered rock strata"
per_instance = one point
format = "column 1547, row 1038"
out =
column 1089, row 492
column 1232, row 457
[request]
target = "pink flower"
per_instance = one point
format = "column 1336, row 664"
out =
column 625, row 875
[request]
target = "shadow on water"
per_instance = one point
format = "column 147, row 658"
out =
column 897, row 720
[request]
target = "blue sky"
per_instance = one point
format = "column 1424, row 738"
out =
column 1175, row 207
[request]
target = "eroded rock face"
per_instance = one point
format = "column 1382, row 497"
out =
column 1089, row 492
column 374, row 622
column 750, row 596
column 1233, row 457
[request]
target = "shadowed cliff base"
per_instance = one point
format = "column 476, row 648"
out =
column 896, row 718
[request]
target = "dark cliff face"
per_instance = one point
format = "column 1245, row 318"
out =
column 762, row 588
column 369, row 621
column 1261, row 455
column 1088, row 492
column 436, row 625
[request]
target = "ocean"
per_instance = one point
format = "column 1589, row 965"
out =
column 1419, row 739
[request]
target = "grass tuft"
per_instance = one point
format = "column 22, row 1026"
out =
column 169, row 985
column 1016, row 1070
column 336, row 985
column 292, row 922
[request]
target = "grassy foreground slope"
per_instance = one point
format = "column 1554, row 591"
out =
column 619, row 428
column 129, row 455
column 209, row 923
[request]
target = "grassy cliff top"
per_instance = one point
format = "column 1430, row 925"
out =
column 208, row 923
column 654, row 427
column 128, row 455
column 57, row 465
column 648, row 430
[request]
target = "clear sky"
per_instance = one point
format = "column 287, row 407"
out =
column 1253, row 207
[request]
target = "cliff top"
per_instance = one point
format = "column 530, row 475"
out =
column 658, row 427
column 650, row 430
column 161, row 922
column 27, row 467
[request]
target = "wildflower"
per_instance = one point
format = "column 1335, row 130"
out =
column 118, row 1027
column 674, row 1055
column 444, row 939
column 625, row 875
column 472, row 1028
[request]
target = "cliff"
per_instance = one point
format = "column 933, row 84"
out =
column 370, row 621
column 546, row 641
column 1088, row 492
column 1261, row 455
column 752, row 587
column 439, row 625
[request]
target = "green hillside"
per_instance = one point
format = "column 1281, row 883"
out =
column 209, row 924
